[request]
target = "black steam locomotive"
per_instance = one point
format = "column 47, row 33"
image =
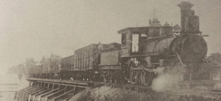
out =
column 143, row 50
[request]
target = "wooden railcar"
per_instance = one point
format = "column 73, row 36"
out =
column 84, row 57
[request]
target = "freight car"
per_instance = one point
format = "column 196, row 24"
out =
column 143, row 52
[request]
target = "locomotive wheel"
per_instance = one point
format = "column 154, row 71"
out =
column 132, row 77
column 135, row 77
column 138, row 77
column 148, row 77
column 132, row 74
column 143, row 78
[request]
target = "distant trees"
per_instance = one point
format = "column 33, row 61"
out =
column 45, row 62
column 29, row 64
column 22, row 69
column 55, row 61
column 19, row 69
column 50, row 64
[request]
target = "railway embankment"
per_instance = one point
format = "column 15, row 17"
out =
column 66, row 90
column 106, row 93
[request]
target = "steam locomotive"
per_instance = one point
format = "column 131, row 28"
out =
column 142, row 52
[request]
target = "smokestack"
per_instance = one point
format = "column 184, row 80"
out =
column 189, row 22
column 185, row 6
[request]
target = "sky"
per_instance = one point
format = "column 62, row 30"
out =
column 37, row 28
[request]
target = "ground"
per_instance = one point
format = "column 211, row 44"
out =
column 105, row 93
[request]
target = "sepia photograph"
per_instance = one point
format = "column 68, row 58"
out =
column 110, row 50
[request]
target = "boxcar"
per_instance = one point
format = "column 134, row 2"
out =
column 84, row 58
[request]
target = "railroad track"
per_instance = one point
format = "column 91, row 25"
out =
column 136, row 87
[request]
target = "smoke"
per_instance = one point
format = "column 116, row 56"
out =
column 168, row 80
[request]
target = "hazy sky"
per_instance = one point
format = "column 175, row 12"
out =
column 36, row 28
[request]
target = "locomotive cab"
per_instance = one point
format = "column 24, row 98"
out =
column 131, row 40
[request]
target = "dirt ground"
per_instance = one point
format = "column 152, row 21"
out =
column 116, row 94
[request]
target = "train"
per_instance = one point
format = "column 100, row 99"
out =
column 142, row 52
